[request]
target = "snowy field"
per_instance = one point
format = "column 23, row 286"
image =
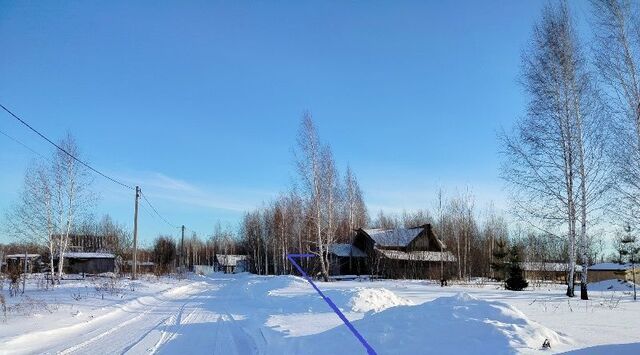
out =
column 247, row 314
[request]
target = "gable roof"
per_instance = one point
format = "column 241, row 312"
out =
column 345, row 250
column 393, row 237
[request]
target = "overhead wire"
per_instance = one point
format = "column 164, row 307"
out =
column 22, row 121
column 144, row 197
column 22, row 144
column 64, row 150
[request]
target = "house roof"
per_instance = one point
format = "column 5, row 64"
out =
column 83, row 255
column 393, row 237
column 21, row 256
column 230, row 260
column 346, row 250
column 610, row 267
column 544, row 266
column 418, row 255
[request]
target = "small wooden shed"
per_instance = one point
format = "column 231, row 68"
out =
column 612, row 271
column 89, row 263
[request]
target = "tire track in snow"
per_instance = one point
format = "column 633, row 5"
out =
column 130, row 321
column 165, row 335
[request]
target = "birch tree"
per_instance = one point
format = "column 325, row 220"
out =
column 356, row 210
column 32, row 217
column 56, row 195
column 71, row 194
column 617, row 53
column 554, row 158
column 310, row 169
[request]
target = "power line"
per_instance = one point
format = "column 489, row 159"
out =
column 156, row 211
column 64, row 151
column 22, row 144
column 79, row 161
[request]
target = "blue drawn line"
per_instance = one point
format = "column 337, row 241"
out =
column 333, row 306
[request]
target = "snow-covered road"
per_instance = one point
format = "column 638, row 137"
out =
column 248, row 314
column 193, row 317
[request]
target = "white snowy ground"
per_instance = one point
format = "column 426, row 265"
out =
column 247, row 314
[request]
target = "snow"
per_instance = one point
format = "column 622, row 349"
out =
column 249, row 314
column 375, row 300
column 612, row 285
column 452, row 325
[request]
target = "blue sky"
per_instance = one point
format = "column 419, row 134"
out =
column 199, row 102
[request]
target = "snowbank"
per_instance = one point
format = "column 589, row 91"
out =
column 359, row 299
column 447, row 325
column 374, row 299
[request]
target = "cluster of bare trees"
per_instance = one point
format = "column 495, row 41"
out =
column 55, row 199
column 169, row 253
column 577, row 149
column 103, row 235
column 323, row 207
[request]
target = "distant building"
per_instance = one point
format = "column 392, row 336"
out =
column 548, row 271
column 230, row 264
column 612, row 271
column 404, row 252
column 16, row 261
column 88, row 263
column 346, row 259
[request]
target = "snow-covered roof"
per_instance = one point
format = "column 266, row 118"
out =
column 418, row 255
column 610, row 267
column 393, row 237
column 87, row 255
column 346, row 250
column 545, row 266
column 21, row 256
column 230, row 260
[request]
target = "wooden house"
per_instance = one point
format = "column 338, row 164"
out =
column 404, row 252
column 89, row 263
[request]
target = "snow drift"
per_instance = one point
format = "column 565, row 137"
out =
column 447, row 325
column 612, row 285
column 374, row 299
column 286, row 288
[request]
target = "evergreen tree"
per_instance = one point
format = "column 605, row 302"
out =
column 515, row 280
column 499, row 264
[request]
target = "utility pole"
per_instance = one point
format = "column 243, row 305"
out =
column 134, row 266
column 182, row 250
